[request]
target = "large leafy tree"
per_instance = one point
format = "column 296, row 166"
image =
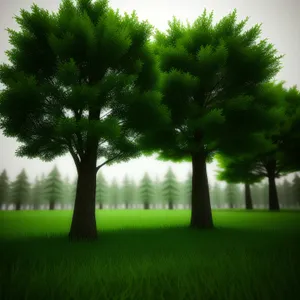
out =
column 277, row 160
column 20, row 190
column 209, row 74
column 236, row 171
column 170, row 190
column 54, row 188
column 81, row 82
column 4, row 188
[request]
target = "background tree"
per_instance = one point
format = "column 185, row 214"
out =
column 287, row 193
column 4, row 188
column 269, row 161
column 188, row 188
column 209, row 74
column 101, row 190
column 236, row 170
column 157, row 186
column 146, row 191
column 36, row 193
column 217, row 195
column 20, row 190
column 54, row 188
column 128, row 191
column 231, row 195
column 67, row 192
column 170, row 190
column 81, row 81
column 114, row 194
column 296, row 189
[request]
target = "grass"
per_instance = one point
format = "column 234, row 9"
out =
column 143, row 255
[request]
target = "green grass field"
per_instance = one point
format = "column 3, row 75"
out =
column 143, row 255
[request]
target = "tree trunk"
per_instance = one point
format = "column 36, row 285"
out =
column 170, row 205
column 51, row 205
column 100, row 205
column 18, row 206
column 83, row 225
column 273, row 196
column 201, row 216
column 248, row 197
column 146, row 205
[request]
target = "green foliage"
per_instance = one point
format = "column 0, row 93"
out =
column 210, row 75
column 114, row 193
column 20, row 190
column 216, row 193
column 146, row 191
column 232, row 195
column 36, row 195
column 296, row 189
column 170, row 188
column 128, row 191
column 67, row 192
column 4, row 187
column 53, row 188
column 101, row 189
column 82, row 76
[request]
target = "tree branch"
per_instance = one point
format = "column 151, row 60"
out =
column 106, row 162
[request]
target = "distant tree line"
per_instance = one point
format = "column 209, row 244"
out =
column 54, row 192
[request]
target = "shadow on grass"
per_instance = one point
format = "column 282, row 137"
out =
column 133, row 241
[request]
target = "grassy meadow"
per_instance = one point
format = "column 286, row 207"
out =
column 151, row 255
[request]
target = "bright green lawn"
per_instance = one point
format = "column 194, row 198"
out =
column 143, row 255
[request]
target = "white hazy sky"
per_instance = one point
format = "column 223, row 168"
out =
column 281, row 25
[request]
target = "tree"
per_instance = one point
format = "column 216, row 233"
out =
column 216, row 195
column 146, row 191
column 287, row 193
column 54, row 188
column 114, row 195
column 4, row 188
column 235, row 170
column 296, row 189
column 101, row 190
column 67, row 192
column 170, row 190
column 128, row 191
column 81, row 81
column 36, row 193
column 209, row 74
column 20, row 190
column 232, row 194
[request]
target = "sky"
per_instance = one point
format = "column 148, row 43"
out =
column 280, row 24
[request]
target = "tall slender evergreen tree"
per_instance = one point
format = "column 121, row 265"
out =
column 4, row 188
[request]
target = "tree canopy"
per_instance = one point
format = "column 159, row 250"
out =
column 210, row 73
column 80, row 81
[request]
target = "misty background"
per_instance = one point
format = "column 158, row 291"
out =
column 281, row 25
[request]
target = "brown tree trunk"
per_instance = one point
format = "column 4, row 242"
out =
column 273, row 196
column 18, row 206
column 146, row 205
column 201, row 216
column 83, row 225
column 51, row 205
column 248, row 197
column 100, row 205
